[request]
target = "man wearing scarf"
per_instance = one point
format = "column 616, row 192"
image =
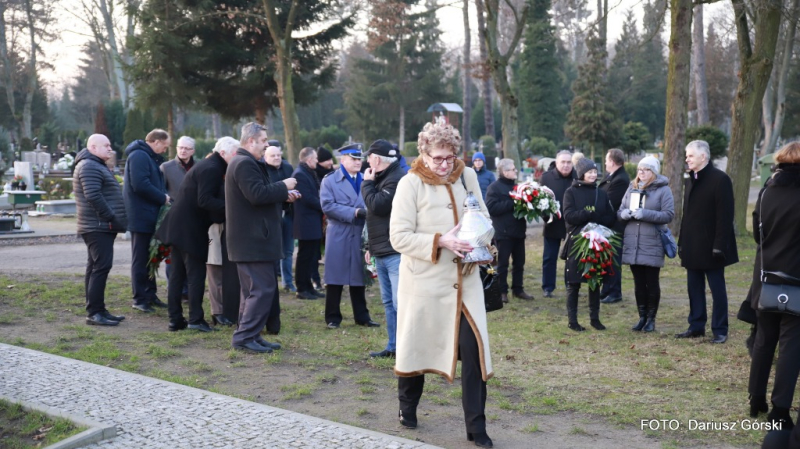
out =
column 340, row 197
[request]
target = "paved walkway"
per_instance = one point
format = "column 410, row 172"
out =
column 151, row 413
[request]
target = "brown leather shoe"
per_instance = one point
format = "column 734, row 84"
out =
column 522, row 295
column 504, row 297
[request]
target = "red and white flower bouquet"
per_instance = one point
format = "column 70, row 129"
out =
column 594, row 249
column 532, row 201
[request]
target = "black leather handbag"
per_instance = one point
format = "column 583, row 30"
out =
column 491, row 288
column 782, row 298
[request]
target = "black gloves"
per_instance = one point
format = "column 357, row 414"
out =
column 361, row 213
column 718, row 255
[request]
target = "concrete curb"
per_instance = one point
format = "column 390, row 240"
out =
column 96, row 432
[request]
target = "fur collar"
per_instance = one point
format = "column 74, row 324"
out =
column 427, row 175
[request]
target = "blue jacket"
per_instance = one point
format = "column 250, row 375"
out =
column 307, row 210
column 344, row 264
column 485, row 178
column 144, row 191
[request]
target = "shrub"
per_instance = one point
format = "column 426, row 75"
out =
column 717, row 140
column 630, row 167
column 203, row 147
column 636, row 138
column 540, row 146
column 410, row 149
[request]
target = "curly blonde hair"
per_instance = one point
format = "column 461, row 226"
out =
column 435, row 134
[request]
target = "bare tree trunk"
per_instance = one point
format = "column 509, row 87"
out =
column 756, row 66
column 467, row 107
column 216, row 126
column 282, row 36
column 106, row 9
column 773, row 123
column 680, row 51
column 8, row 72
column 700, row 85
column 180, row 120
column 486, row 90
column 27, row 130
column 173, row 151
column 401, row 139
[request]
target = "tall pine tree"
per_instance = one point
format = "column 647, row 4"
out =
column 592, row 121
column 542, row 104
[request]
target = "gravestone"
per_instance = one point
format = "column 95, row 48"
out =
column 25, row 170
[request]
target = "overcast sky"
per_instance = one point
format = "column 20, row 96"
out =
column 65, row 53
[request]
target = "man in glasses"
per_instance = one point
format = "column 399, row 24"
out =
column 558, row 180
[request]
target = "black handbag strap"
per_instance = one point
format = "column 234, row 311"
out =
column 764, row 273
column 464, row 183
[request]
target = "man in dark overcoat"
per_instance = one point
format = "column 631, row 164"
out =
column 199, row 202
column 308, row 224
column 174, row 172
column 615, row 184
column 707, row 243
column 253, row 228
column 558, row 180
column 144, row 193
column 101, row 216
column 279, row 169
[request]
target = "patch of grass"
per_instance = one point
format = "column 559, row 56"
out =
column 191, row 381
column 326, row 378
column 197, row 365
column 366, row 389
column 29, row 429
column 296, row 391
column 160, row 353
column 362, row 412
column 533, row 428
column 575, row 430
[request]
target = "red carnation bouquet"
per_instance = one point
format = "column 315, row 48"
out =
column 159, row 252
column 594, row 249
column 532, row 200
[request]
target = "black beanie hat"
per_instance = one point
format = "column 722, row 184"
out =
column 323, row 154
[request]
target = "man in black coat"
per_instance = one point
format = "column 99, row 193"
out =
column 307, row 224
column 615, row 184
column 707, row 243
column 378, row 190
column 101, row 216
column 278, row 170
column 253, row 207
column 558, row 180
column 144, row 193
column 199, row 202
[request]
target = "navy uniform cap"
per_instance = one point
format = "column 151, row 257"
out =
column 353, row 150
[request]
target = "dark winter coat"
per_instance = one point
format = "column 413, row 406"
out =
column 778, row 209
column 558, row 184
column 642, row 239
column 174, row 172
column 322, row 172
column 307, row 209
column 279, row 174
column 378, row 196
column 707, row 221
column 143, row 187
column 344, row 263
column 501, row 210
column 200, row 201
column 576, row 199
column 98, row 197
column 253, row 211
column 485, row 178
column 615, row 186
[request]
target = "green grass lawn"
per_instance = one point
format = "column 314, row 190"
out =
column 541, row 367
column 22, row 429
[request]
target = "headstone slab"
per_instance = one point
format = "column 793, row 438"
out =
column 25, row 170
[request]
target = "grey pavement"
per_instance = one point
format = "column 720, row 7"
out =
column 151, row 413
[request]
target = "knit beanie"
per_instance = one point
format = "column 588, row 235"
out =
column 651, row 164
column 480, row 156
column 323, row 154
column 582, row 166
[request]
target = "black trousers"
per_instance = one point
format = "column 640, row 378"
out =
column 776, row 329
column 258, row 286
column 473, row 388
column 307, row 259
column 333, row 297
column 646, row 286
column 274, row 316
column 100, row 246
column 612, row 282
column 144, row 287
column 572, row 303
column 514, row 248
column 189, row 270
column 696, row 287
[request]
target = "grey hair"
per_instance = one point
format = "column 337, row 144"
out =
column 187, row 140
column 386, row 159
column 306, row 153
column 226, row 145
column 504, row 165
column 250, row 131
column 564, row 152
column 700, row 146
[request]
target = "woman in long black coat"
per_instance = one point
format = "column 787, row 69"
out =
column 583, row 203
column 778, row 212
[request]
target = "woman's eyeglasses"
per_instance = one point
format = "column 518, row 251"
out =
column 438, row 160
column 642, row 170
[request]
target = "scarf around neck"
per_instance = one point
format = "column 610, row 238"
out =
column 356, row 183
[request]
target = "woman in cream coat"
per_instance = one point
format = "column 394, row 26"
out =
column 440, row 313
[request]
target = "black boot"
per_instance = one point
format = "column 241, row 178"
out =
column 780, row 417
column 594, row 310
column 650, row 325
column 572, row 307
column 758, row 404
column 642, row 318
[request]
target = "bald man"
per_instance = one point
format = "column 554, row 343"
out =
column 101, row 216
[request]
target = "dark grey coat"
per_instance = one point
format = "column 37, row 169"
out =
column 173, row 176
column 344, row 264
column 98, row 196
column 642, row 242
